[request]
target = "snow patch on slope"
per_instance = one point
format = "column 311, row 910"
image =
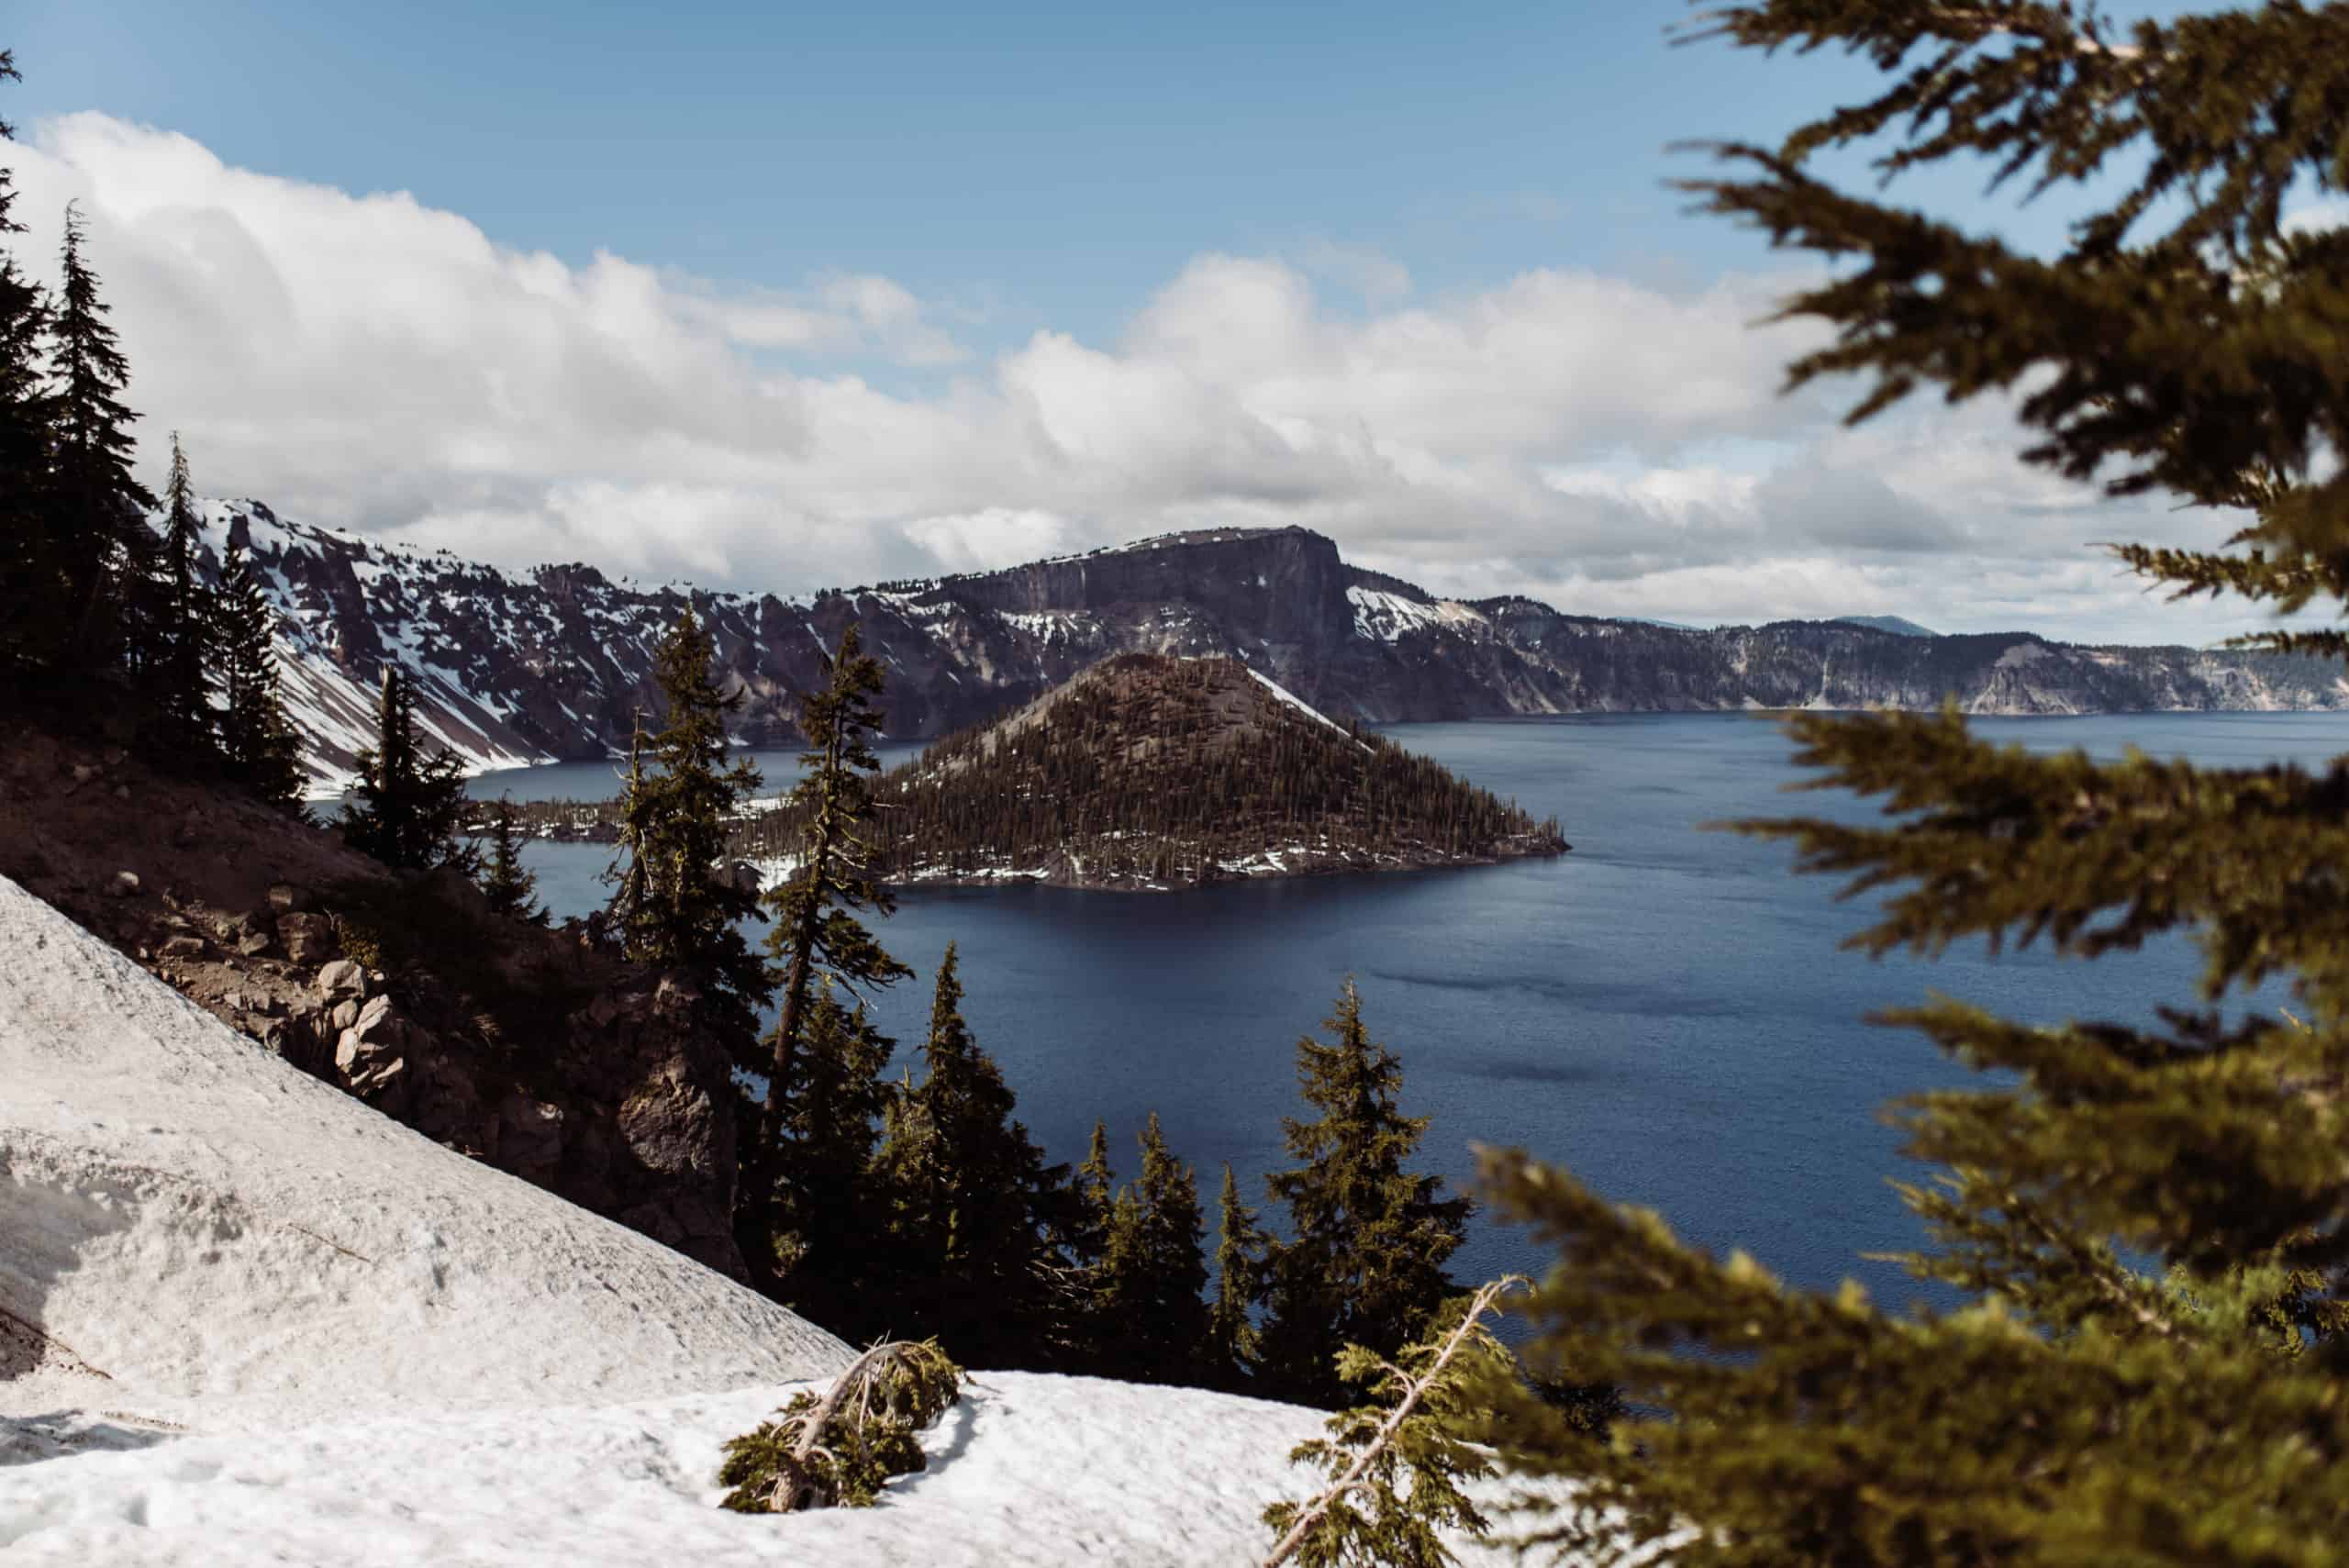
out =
column 227, row 1242
column 1293, row 700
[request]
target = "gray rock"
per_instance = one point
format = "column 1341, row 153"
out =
column 288, row 899
column 185, row 946
column 343, row 977
column 126, row 884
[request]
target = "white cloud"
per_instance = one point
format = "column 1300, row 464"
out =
column 372, row 362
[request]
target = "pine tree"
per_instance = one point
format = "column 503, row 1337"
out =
column 1368, row 1240
column 1233, row 1347
column 258, row 746
column 815, row 931
column 32, row 631
column 184, row 624
column 2149, row 1222
column 837, row 1261
column 407, row 808
column 1153, row 1320
column 973, row 1198
column 509, row 885
column 675, row 905
column 96, row 508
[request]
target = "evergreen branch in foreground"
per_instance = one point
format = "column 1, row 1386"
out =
column 1398, row 1527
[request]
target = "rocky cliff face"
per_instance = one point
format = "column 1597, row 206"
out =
column 513, row 668
column 582, row 1074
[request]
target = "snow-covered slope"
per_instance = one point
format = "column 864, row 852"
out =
column 205, row 1236
column 244, row 1319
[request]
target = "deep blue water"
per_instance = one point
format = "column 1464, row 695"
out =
column 1664, row 1011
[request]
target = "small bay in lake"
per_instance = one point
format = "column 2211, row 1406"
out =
column 1664, row 1011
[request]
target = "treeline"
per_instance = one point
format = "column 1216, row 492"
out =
column 102, row 621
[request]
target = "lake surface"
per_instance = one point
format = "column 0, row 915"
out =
column 1664, row 1011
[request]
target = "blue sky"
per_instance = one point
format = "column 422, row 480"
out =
column 1199, row 264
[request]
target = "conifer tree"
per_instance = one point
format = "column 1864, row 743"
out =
column 1368, row 1238
column 973, row 1198
column 674, row 906
column 96, row 509
column 183, row 625
column 408, row 806
column 1096, row 1194
column 815, row 931
column 1233, row 1347
column 31, row 588
column 2149, row 1222
column 509, row 885
column 837, row 1261
column 258, row 746
column 1154, row 1321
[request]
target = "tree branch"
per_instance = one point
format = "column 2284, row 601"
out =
column 1311, row 1516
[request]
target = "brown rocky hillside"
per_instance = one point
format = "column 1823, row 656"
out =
column 512, row 1043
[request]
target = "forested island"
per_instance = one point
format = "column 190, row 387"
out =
column 1146, row 772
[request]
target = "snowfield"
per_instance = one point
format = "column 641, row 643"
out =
column 246, row 1320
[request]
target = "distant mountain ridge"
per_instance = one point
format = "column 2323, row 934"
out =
column 1899, row 625
column 552, row 663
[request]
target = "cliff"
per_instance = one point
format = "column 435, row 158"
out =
column 552, row 665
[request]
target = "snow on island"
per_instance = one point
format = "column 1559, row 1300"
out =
column 245, row 1318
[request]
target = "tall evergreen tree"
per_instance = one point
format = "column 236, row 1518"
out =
column 510, row 886
column 1368, row 1238
column 837, row 1261
column 1154, row 1318
column 258, row 746
column 2149, row 1221
column 32, row 629
column 408, row 806
column 1233, row 1347
column 974, row 1200
column 96, row 506
column 675, row 905
column 184, row 625
column 815, row 931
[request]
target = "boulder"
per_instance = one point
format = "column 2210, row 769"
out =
column 126, row 884
column 343, row 977
column 370, row 1055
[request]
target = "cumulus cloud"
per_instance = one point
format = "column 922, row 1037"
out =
column 368, row 362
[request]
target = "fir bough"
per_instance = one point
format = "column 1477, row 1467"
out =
column 840, row 1449
column 1396, row 1467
